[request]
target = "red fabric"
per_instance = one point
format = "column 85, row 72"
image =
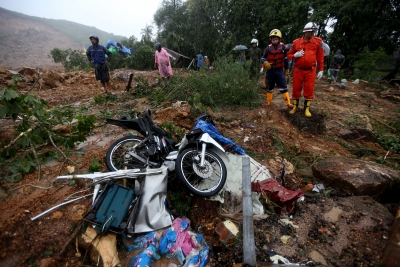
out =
column 313, row 53
column 277, row 193
column 303, row 79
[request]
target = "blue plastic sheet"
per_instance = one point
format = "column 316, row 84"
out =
column 228, row 144
column 118, row 47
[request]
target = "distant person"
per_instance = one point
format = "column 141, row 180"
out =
column 275, row 62
column 200, row 59
column 337, row 63
column 207, row 62
column 162, row 61
column 307, row 51
column 255, row 55
column 97, row 55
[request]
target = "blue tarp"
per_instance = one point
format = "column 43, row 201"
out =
column 228, row 144
column 120, row 48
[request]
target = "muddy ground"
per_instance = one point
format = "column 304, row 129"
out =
column 342, row 123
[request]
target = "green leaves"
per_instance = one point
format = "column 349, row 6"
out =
column 8, row 94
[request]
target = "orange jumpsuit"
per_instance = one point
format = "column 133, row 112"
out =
column 304, row 73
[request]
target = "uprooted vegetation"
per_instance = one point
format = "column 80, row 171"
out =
column 51, row 126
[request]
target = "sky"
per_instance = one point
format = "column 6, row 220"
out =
column 122, row 17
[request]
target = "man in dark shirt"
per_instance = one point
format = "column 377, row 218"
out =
column 97, row 55
column 337, row 63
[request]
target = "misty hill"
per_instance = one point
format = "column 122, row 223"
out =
column 27, row 40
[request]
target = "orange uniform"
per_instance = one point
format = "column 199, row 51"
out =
column 304, row 73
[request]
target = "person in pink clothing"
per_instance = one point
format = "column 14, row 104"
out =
column 162, row 61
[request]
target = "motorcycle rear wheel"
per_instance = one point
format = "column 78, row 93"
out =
column 117, row 154
column 204, row 181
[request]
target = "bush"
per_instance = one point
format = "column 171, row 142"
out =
column 142, row 58
column 70, row 59
column 366, row 65
column 227, row 84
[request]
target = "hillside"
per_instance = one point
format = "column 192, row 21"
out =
column 27, row 40
column 342, row 123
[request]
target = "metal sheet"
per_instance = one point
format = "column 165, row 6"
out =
column 150, row 213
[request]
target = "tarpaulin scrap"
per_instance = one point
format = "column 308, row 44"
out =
column 277, row 193
column 228, row 144
column 175, row 242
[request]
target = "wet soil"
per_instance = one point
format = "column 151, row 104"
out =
column 342, row 124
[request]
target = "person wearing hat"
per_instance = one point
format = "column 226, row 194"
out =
column 255, row 55
column 274, row 60
column 308, row 53
column 97, row 55
column 162, row 61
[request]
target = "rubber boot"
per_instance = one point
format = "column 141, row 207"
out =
column 287, row 99
column 269, row 98
column 295, row 106
column 307, row 104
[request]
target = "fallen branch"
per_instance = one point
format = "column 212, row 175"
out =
column 394, row 129
column 16, row 139
column 59, row 150
column 36, row 158
column 74, row 235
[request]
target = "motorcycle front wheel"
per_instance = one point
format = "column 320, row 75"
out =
column 204, row 181
column 118, row 157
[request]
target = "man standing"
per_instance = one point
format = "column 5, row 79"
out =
column 307, row 51
column 337, row 63
column 200, row 59
column 255, row 55
column 162, row 61
column 275, row 61
column 97, row 55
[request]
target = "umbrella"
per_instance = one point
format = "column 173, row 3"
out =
column 327, row 49
column 240, row 48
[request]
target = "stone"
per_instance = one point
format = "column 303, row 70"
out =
column 354, row 176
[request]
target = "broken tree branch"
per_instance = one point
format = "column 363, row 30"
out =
column 74, row 235
column 16, row 139
column 394, row 129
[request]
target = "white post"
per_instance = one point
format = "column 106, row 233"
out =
column 249, row 255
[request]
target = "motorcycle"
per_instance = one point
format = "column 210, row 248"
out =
column 200, row 169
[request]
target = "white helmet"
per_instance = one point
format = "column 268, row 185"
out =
column 310, row 27
column 254, row 41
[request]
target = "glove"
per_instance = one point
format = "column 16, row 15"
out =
column 319, row 75
column 267, row 66
column 287, row 73
column 261, row 70
column 299, row 53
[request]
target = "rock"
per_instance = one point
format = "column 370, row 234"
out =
column 355, row 176
column 317, row 257
column 103, row 246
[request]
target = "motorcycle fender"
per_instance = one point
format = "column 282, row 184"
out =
column 208, row 139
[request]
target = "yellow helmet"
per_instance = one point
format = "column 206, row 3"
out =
column 275, row 33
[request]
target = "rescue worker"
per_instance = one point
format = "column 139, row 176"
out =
column 275, row 61
column 307, row 52
column 337, row 63
column 97, row 55
column 255, row 55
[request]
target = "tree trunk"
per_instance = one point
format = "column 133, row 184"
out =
column 393, row 73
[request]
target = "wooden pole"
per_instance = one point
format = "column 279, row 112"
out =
column 249, row 254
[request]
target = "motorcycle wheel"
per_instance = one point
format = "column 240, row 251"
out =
column 203, row 181
column 117, row 154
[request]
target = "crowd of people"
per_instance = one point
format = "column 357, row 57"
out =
column 302, row 61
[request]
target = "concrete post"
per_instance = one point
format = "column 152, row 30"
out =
column 249, row 255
